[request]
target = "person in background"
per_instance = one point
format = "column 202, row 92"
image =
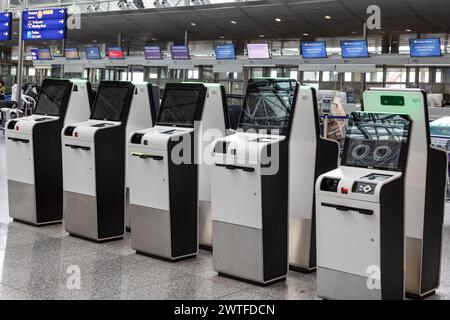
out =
column 2, row 90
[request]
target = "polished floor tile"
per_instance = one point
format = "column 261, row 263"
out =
column 47, row 263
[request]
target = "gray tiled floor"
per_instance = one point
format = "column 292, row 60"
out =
column 34, row 264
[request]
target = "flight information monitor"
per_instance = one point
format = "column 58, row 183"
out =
column 34, row 54
column 376, row 140
column 71, row 54
column 225, row 52
column 258, row 51
column 110, row 103
column 314, row 50
column 115, row 53
column 51, row 98
column 180, row 52
column 181, row 105
column 354, row 49
column 92, row 53
column 267, row 106
column 425, row 47
column 44, row 54
column 152, row 53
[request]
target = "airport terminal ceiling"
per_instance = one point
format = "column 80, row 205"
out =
column 244, row 20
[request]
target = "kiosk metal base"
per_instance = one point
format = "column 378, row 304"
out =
column 205, row 225
column 96, row 240
column 261, row 284
column 173, row 260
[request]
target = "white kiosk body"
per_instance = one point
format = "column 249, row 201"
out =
column 94, row 166
column 250, row 186
column 360, row 212
column 143, row 113
column 310, row 155
column 164, row 174
column 33, row 151
column 425, row 187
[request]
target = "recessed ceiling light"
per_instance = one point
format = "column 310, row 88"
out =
column 261, row 36
column 94, row 40
column 305, row 34
column 327, row 17
column 233, row 22
column 153, row 39
column 222, row 37
column 277, row 19
column 193, row 24
column 15, row 33
column 408, row 30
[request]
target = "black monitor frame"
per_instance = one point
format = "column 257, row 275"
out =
column 67, row 85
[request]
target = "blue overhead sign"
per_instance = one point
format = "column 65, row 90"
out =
column 5, row 26
column 314, row 50
column 425, row 47
column 48, row 24
column 354, row 49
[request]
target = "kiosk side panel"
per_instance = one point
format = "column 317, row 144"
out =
column 434, row 217
column 183, row 202
column 110, row 181
column 392, row 243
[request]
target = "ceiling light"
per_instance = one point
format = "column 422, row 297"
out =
column 261, row 36
column 233, row 22
column 94, row 41
column 328, row 17
column 305, row 34
column 408, row 30
column 153, row 39
column 193, row 24
column 222, row 37
column 277, row 19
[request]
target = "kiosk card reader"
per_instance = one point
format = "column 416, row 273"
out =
column 425, row 187
column 143, row 113
column 33, row 151
column 164, row 175
column 94, row 166
column 250, row 185
column 360, row 212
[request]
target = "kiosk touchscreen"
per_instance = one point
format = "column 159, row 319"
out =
column 94, row 166
column 250, row 185
column 167, row 178
column 360, row 211
column 33, row 151
column 425, row 187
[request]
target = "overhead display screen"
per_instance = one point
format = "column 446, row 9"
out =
column 180, row 52
column 92, row 53
column 258, row 51
column 109, row 103
column 50, row 99
column 152, row 53
column 268, row 105
column 225, row 52
column 314, row 50
column 425, row 47
column 115, row 53
column 71, row 54
column 46, row 24
column 5, row 26
column 354, row 49
column 44, row 54
column 179, row 106
column 376, row 140
column 34, row 54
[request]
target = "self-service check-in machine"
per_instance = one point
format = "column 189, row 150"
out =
column 143, row 113
column 33, row 151
column 167, row 177
column 310, row 155
column 94, row 166
column 425, row 188
column 360, row 212
column 250, row 185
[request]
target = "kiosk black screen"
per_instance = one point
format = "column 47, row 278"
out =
column 50, row 99
column 267, row 107
column 110, row 103
column 376, row 140
column 180, row 106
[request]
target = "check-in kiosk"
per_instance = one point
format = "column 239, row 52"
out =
column 310, row 155
column 169, row 172
column 33, row 151
column 250, row 185
column 360, row 212
column 94, row 166
column 143, row 113
column 425, row 188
